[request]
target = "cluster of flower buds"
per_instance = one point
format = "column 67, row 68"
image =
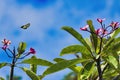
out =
column 5, row 47
column 6, row 43
column 104, row 30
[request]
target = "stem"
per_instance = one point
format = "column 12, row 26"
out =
column 99, row 61
column 78, row 76
column 99, row 69
column 12, row 69
column 8, row 54
column 103, row 70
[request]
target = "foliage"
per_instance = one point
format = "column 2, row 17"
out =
column 97, row 57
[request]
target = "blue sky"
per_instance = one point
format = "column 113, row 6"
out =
column 46, row 18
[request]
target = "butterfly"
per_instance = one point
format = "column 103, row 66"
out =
column 25, row 26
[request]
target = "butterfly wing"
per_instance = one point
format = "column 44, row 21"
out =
column 25, row 26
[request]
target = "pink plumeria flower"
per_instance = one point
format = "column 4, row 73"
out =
column 32, row 51
column 5, row 43
column 84, row 28
column 100, row 20
column 114, row 25
column 101, row 31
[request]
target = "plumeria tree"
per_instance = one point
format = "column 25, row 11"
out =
column 97, row 57
column 18, row 55
column 15, row 56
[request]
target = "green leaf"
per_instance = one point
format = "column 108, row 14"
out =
column 3, row 65
column 115, row 55
column 109, row 42
column 115, row 33
column 31, row 74
column 75, row 49
column 73, row 68
column 113, row 49
column 21, row 48
column 88, row 70
column 62, row 65
column 59, row 59
column 117, row 39
column 112, row 38
column 112, row 60
column 37, row 62
column 76, row 35
column 94, row 36
column 111, row 72
column 33, row 67
column 115, row 46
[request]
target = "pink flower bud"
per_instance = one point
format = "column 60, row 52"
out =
column 114, row 25
column 32, row 51
column 100, row 20
column 84, row 28
column 101, row 31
